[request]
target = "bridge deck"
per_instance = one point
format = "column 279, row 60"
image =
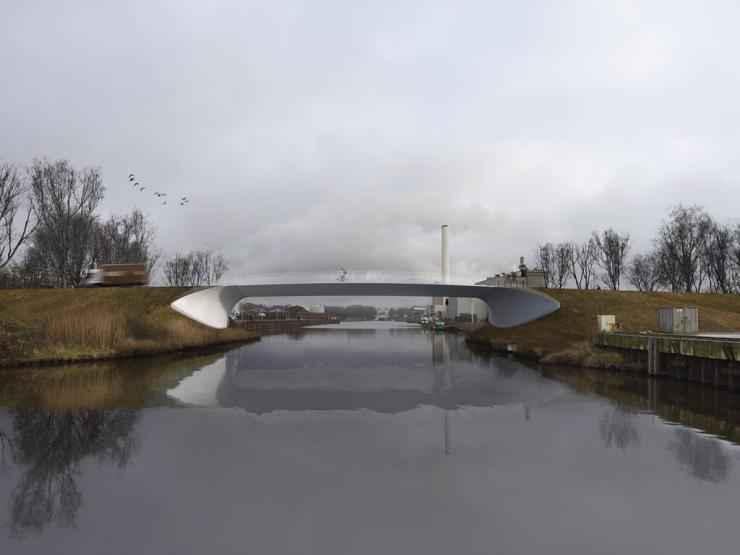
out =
column 508, row 306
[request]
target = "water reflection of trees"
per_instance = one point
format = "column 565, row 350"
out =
column 714, row 411
column 617, row 428
column 51, row 447
column 702, row 457
column 6, row 446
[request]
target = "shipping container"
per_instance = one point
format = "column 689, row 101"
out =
column 678, row 319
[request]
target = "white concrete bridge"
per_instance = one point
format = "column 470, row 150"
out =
column 507, row 306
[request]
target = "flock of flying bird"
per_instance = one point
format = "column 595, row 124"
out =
column 160, row 196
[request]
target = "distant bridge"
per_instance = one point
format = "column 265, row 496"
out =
column 507, row 306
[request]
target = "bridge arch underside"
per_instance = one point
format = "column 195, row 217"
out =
column 507, row 306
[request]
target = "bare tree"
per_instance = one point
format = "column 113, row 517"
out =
column 563, row 256
column 573, row 267
column 178, row 270
column 544, row 258
column 64, row 202
column 582, row 263
column 195, row 269
column 612, row 249
column 718, row 259
column 32, row 271
column 681, row 241
column 125, row 240
column 643, row 272
column 555, row 261
column 667, row 268
column 211, row 267
column 16, row 212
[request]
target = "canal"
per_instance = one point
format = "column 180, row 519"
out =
column 363, row 438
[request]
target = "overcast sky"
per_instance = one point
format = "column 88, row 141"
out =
column 319, row 135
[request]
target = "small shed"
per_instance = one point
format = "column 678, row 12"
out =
column 678, row 319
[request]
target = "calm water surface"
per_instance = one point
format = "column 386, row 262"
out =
column 369, row 438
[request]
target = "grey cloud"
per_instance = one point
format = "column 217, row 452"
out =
column 323, row 135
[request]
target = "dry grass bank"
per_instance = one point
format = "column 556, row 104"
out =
column 38, row 325
column 565, row 337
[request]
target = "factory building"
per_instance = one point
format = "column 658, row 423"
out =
column 522, row 277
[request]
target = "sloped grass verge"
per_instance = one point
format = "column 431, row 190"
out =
column 55, row 325
column 566, row 336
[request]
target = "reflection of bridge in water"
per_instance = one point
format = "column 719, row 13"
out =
column 341, row 372
column 344, row 370
column 507, row 306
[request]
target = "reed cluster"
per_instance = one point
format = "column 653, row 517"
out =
column 86, row 331
column 76, row 324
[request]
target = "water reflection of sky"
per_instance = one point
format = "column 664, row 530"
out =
column 476, row 454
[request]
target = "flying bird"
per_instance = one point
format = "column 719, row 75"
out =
column 161, row 196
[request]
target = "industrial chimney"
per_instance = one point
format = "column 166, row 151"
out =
column 445, row 254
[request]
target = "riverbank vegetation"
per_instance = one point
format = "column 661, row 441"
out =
column 566, row 336
column 44, row 325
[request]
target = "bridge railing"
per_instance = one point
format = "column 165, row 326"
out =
column 354, row 276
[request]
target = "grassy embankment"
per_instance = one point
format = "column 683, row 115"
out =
column 41, row 325
column 566, row 336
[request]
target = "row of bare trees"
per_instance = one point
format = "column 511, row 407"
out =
column 51, row 233
column 599, row 259
column 16, row 213
column 692, row 252
column 195, row 268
